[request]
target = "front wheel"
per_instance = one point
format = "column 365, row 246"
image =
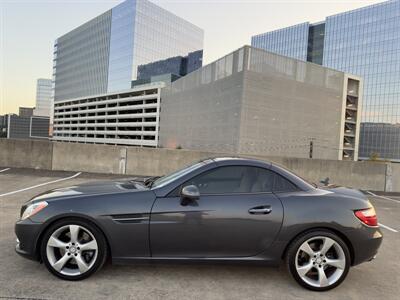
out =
column 318, row 260
column 73, row 249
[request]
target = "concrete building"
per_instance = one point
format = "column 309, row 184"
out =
column 257, row 102
column 24, row 127
column 129, row 117
column 365, row 42
column 102, row 55
column 43, row 97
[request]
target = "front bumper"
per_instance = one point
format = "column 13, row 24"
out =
column 366, row 242
column 28, row 233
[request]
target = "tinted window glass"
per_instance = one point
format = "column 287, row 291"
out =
column 283, row 185
column 234, row 179
column 164, row 180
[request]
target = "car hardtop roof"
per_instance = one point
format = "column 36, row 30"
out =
column 231, row 160
column 227, row 160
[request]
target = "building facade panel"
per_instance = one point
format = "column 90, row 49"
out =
column 121, row 46
column 194, row 61
column 103, row 54
column 39, row 127
column 287, row 104
column 171, row 65
column 291, row 41
column 257, row 102
column 364, row 42
column 379, row 136
column 81, row 59
column 315, row 50
column 129, row 117
column 17, row 127
column 43, row 97
column 25, row 112
column 160, row 35
column 174, row 66
column 201, row 111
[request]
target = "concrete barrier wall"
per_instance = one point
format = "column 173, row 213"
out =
column 362, row 174
column 152, row 162
column 87, row 158
column 394, row 183
column 36, row 154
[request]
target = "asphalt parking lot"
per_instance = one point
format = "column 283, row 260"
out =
column 24, row 279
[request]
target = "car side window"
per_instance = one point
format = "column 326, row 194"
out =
column 234, row 179
column 281, row 184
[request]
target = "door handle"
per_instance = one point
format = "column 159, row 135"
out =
column 260, row 210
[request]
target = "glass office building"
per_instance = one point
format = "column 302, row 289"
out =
column 103, row 55
column 173, row 67
column 364, row 42
column 43, row 97
column 290, row 41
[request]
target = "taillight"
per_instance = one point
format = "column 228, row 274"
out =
column 367, row 216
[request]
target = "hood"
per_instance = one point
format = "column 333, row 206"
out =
column 92, row 188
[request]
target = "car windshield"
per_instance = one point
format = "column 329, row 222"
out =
column 164, row 180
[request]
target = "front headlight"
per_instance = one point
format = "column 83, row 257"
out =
column 33, row 209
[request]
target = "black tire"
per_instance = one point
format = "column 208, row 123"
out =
column 296, row 244
column 102, row 251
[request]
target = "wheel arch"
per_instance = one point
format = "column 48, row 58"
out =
column 80, row 217
column 345, row 239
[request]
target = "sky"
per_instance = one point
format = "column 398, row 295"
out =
column 28, row 29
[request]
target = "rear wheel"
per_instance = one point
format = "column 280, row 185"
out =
column 318, row 260
column 73, row 249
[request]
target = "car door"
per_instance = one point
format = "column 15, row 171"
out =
column 236, row 215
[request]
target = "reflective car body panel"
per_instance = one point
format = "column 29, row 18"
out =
column 214, row 226
column 147, row 223
column 123, row 218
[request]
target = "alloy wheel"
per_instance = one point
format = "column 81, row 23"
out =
column 72, row 250
column 320, row 261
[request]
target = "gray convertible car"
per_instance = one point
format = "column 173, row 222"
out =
column 219, row 210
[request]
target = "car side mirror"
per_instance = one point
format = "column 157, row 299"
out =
column 189, row 193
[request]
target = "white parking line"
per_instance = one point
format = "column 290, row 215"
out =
column 388, row 228
column 42, row 184
column 4, row 170
column 383, row 197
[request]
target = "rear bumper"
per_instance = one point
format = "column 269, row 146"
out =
column 366, row 242
column 27, row 233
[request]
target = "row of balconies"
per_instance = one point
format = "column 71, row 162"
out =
column 101, row 101
column 108, row 117
column 108, row 136
column 83, row 125
column 351, row 116
column 107, row 127
column 105, row 132
column 107, row 105
column 350, row 124
column 348, row 154
column 114, row 109
column 351, row 102
column 109, row 139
